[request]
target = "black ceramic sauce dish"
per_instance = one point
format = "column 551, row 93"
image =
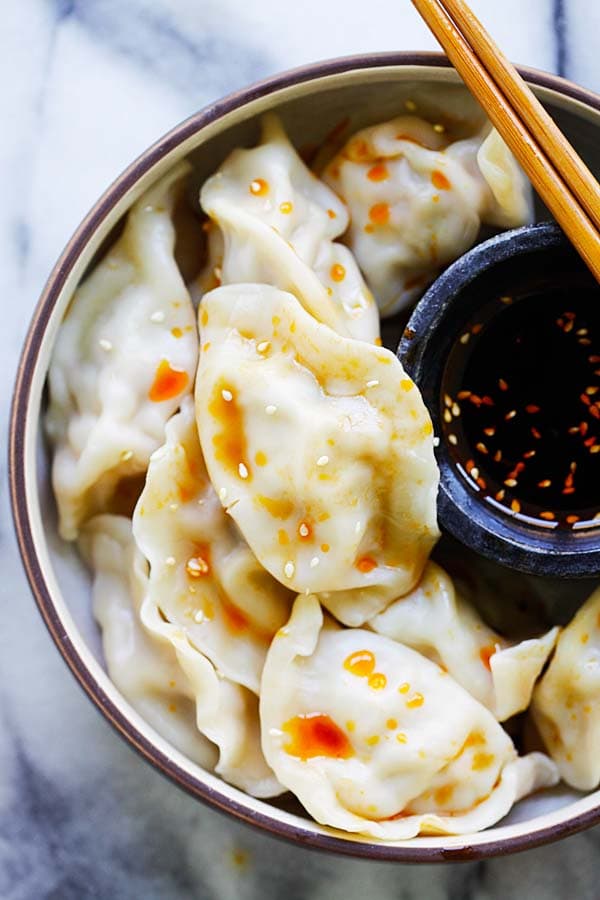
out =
column 503, row 347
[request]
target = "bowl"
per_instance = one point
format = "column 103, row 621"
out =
column 363, row 90
column 515, row 265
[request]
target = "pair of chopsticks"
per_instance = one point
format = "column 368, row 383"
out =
column 558, row 174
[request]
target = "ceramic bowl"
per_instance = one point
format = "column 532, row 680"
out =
column 365, row 90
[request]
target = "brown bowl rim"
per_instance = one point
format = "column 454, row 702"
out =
column 17, row 475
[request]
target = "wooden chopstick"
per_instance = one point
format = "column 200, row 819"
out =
column 548, row 181
column 541, row 125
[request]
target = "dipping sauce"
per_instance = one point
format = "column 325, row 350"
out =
column 520, row 406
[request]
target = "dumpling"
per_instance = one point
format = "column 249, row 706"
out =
column 375, row 739
column 125, row 356
column 203, row 577
column 226, row 713
column 143, row 668
column 277, row 225
column 566, row 702
column 438, row 623
column 319, row 447
column 417, row 201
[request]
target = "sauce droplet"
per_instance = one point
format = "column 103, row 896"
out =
column 366, row 564
column 361, row 663
column 259, row 187
column 168, row 382
column 315, row 734
column 439, row 180
column 230, row 441
column 378, row 172
column 379, row 214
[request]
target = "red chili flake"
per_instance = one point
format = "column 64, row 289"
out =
column 595, row 412
column 569, row 490
column 481, row 447
column 529, row 454
column 476, row 328
column 592, row 389
column 489, row 431
column 463, row 395
column 487, row 401
column 510, row 415
column 595, row 448
column 585, row 342
column 572, row 519
column 585, row 399
column 536, row 433
column 583, row 427
column 532, row 408
column 594, row 359
column 497, row 455
column 515, row 506
column 483, row 484
column 569, row 315
column 545, row 483
column 500, row 495
column 568, row 327
column 560, row 322
column 475, row 399
column 469, row 465
column 502, row 384
column 589, row 442
column 547, row 515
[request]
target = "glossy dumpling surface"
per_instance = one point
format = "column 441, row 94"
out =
column 276, row 224
column 417, row 200
column 319, row 447
column 374, row 738
column 203, row 576
column 442, row 626
column 566, row 703
column 124, row 357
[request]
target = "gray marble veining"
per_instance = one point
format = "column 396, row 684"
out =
column 85, row 86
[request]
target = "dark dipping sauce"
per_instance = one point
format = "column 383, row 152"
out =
column 521, row 406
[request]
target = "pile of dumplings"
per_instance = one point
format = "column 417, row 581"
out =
column 250, row 477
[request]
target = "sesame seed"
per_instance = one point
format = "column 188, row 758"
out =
column 314, row 562
column 173, row 507
column 263, row 346
column 289, row 569
column 448, row 400
column 481, row 447
column 223, row 494
column 243, row 471
column 510, row 415
column 410, row 105
column 474, row 473
column 452, row 439
column 372, row 383
column 545, row 483
column 157, row 317
column 447, row 415
column 357, row 528
column 170, row 561
column 227, row 396
column 105, row 345
column 270, row 410
column 464, row 337
column 455, row 409
column 436, row 441
column 303, row 530
column 198, row 616
column 439, row 128
column 322, row 460
column 126, row 455
column 510, row 482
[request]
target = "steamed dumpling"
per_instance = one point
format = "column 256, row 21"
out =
column 203, row 576
column 277, row 225
column 142, row 667
column 125, row 356
column 319, row 447
column 417, row 201
column 438, row 623
column 566, row 703
column 375, row 739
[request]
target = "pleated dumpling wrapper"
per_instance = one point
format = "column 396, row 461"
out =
column 319, row 447
column 274, row 222
column 417, row 200
column 566, row 702
column 442, row 626
column 375, row 739
column 125, row 356
column 203, row 576
column 143, row 668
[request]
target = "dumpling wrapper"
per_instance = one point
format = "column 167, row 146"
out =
column 125, row 356
column 566, row 702
column 417, row 202
column 142, row 667
column 437, row 622
column 375, row 739
column 203, row 576
column 319, row 447
column 277, row 225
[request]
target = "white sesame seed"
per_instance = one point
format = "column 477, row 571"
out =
column 173, row 507
column 410, row 105
column 227, row 396
column 357, row 528
column 263, row 346
column 218, row 272
column 439, row 128
column 105, row 345
column 198, row 616
column 451, row 437
column 314, row 562
column 243, row 470
column 170, row 561
column 289, row 569
column 126, row 455
column 372, row 383
column 157, row 317
column 223, row 495
column 322, row 460
column 275, row 732
column 270, row 410
column 303, row 530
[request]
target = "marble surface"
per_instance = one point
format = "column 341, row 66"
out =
column 85, row 86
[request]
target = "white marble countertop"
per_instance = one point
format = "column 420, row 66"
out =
column 86, row 85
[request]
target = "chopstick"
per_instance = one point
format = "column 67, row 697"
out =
column 541, row 150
